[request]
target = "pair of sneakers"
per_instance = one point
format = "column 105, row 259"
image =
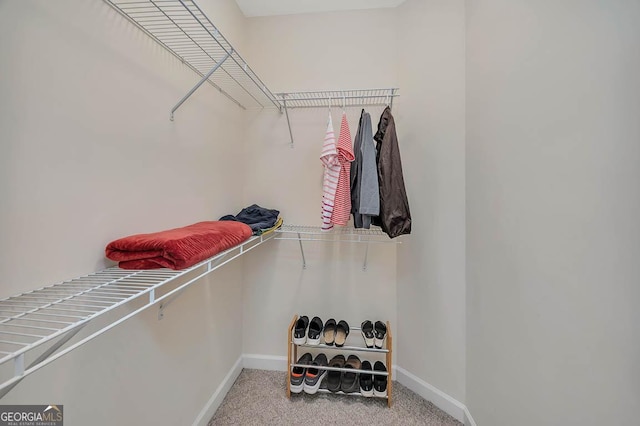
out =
column 308, row 378
column 373, row 334
column 373, row 384
column 306, row 331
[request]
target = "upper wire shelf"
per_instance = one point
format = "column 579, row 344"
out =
column 183, row 29
column 339, row 98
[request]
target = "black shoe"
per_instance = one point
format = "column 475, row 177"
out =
column 315, row 328
column 342, row 331
column 298, row 373
column 334, row 377
column 366, row 380
column 314, row 376
column 351, row 380
column 367, row 333
column 329, row 332
column 379, row 381
column 300, row 330
column 379, row 333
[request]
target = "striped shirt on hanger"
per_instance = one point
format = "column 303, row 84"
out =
column 329, row 158
column 342, row 205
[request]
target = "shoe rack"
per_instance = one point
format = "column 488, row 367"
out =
column 348, row 349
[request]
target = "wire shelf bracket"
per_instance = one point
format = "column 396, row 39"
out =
column 337, row 98
column 51, row 316
column 205, row 78
column 182, row 28
column 302, row 233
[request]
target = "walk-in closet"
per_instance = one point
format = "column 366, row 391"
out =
column 392, row 212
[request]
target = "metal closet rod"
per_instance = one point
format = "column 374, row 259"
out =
column 338, row 98
column 316, row 99
column 369, row 89
column 340, row 95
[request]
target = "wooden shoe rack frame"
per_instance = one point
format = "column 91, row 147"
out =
column 292, row 356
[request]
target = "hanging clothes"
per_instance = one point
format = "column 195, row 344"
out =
column 342, row 205
column 365, row 198
column 329, row 158
column 395, row 217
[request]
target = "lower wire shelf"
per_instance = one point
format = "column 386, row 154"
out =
column 340, row 234
column 34, row 326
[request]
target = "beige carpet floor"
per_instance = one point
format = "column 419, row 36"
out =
column 258, row 398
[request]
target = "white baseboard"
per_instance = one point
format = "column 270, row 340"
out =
column 446, row 403
column 468, row 420
column 264, row 362
column 216, row 399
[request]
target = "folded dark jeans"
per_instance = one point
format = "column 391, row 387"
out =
column 256, row 217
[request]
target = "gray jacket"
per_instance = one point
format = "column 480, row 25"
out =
column 365, row 194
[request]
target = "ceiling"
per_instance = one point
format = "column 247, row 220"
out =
column 252, row 8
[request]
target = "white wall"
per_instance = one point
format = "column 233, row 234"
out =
column 89, row 155
column 147, row 371
column 325, row 51
column 431, row 130
column 420, row 48
column 553, row 154
column 311, row 52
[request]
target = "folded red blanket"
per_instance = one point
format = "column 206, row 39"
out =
column 177, row 248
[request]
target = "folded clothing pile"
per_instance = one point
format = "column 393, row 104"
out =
column 260, row 219
column 177, row 248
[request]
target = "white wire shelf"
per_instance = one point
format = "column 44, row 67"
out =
column 183, row 29
column 339, row 98
column 54, row 314
column 338, row 234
